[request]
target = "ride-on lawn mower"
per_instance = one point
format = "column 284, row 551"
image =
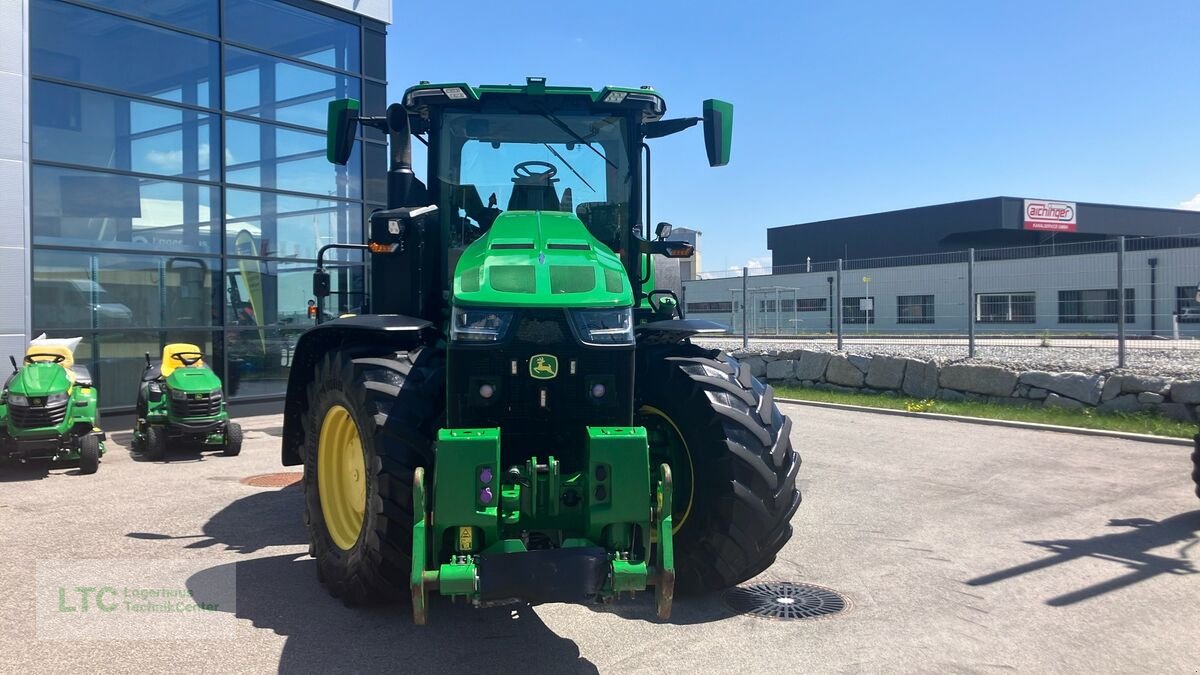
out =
column 522, row 416
column 181, row 401
column 48, row 408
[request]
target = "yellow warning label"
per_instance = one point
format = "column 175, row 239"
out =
column 466, row 538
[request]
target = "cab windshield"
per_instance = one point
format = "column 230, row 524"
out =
column 493, row 163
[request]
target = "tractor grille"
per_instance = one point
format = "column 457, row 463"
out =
column 33, row 416
column 527, row 426
column 197, row 405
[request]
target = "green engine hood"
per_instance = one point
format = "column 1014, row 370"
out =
column 40, row 379
column 540, row 259
column 193, row 380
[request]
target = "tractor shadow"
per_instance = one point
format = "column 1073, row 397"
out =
column 281, row 593
column 1129, row 548
column 261, row 520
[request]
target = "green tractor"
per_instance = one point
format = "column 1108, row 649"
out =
column 181, row 401
column 48, row 408
column 521, row 416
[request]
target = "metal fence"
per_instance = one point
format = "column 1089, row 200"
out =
column 1118, row 296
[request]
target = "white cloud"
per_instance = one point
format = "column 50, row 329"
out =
column 1192, row 204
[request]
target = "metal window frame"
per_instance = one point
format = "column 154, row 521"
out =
column 221, row 255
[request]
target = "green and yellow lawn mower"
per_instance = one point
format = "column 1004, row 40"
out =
column 520, row 415
column 48, row 408
column 181, row 402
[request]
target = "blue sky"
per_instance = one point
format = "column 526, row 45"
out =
column 850, row 108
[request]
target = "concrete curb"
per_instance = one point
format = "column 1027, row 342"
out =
column 1123, row 435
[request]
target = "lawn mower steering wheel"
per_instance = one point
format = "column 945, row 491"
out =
column 44, row 358
column 522, row 170
column 188, row 358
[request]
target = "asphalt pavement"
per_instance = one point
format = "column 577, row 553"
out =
column 961, row 548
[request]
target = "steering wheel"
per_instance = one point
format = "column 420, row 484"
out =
column 188, row 358
column 44, row 358
column 522, row 170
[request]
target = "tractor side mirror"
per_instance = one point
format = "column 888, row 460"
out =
column 662, row 231
column 718, row 130
column 340, row 130
column 321, row 284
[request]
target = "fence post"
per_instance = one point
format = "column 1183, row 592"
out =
column 971, row 302
column 838, row 305
column 1121, row 302
column 745, row 308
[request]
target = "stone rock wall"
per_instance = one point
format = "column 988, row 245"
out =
column 1177, row 399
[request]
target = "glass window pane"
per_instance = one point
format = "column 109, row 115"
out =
column 293, row 32
column 259, row 361
column 268, row 293
column 75, row 290
column 262, row 155
column 286, row 226
column 374, row 53
column 150, row 61
column 114, row 132
column 197, row 15
column 273, row 89
column 94, row 209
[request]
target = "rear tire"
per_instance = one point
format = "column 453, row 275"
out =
column 396, row 403
column 156, row 443
column 233, row 440
column 742, row 489
column 89, row 454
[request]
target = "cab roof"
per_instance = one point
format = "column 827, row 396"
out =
column 458, row 94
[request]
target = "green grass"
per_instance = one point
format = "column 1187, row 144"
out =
column 1138, row 423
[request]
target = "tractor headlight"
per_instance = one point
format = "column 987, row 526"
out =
column 61, row 397
column 479, row 325
column 603, row 326
column 178, row 395
column 17, row 399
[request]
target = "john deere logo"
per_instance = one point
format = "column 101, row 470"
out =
column 543, row 367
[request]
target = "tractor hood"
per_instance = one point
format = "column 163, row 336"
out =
column 540, row 259
column 193, row 380
column 40, row 379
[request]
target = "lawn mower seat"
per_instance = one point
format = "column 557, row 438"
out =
column 169, row 363
column 44, row 352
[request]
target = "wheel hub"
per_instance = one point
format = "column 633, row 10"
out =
column 341, row 477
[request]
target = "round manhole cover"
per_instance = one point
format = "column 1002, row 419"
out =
column 786, row 600
column 274, row 480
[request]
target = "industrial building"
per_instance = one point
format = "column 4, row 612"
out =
column 980, row 223
column 1010, row 266
column 163, row 176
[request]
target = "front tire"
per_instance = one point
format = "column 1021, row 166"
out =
column 233, row 440
column 89, row 454
column 156, row 443
column 369, row 424
column 730, row 449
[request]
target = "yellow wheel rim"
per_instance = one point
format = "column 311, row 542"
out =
column 647, row 410
column 341, row 477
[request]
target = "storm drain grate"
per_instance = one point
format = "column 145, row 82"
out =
column 786, row 600
column 274, row 480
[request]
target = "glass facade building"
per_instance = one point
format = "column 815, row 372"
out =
column 176, row 181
